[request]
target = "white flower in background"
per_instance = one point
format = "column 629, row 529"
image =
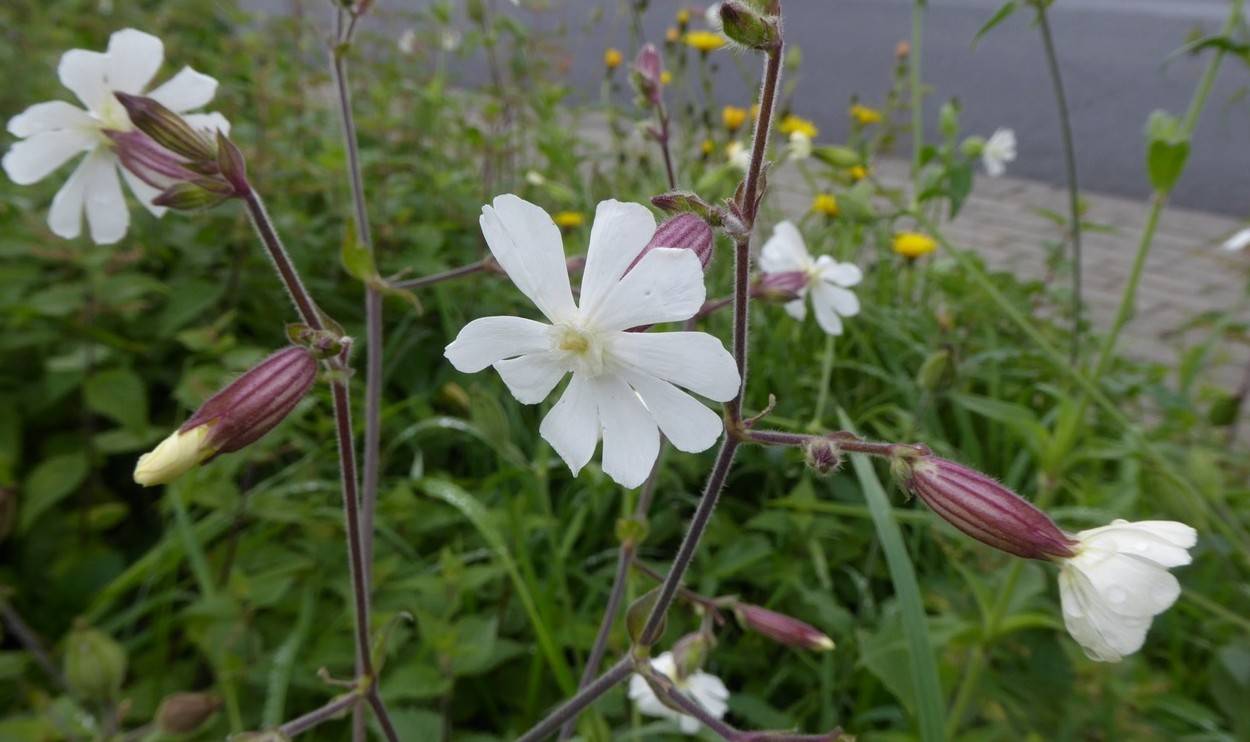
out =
column 999, row 150
column 1239, row 241
column 624, row 384
column 800, row 145
column 407, row 42
column 786, row 262
column 535, row 178
column 449, row 39
column 52, row 133
column 738, row 156
column 1118, row 581
column 703, row 687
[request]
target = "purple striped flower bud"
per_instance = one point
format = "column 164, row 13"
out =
column 149, row 161
column 783, row 286
column 984, row 509
column 234, row 417
column 684, row 231
column 781, row 628
column 648, row 73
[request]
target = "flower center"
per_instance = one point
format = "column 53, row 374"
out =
column 582, row 349
column 112, row 115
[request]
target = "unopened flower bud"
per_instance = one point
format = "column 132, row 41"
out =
column 691, row 652
column 973, row 146
column 183, row 713
column 234, row 417
column 167, row 128
column 687, row 202
column 842, row 157
column 194, row 195
column 684, row 231
column 748, row 27
column 231, row 164
column 95, row 664
column 149, row 161
column 781, row 628
column 647, row 75
column 783, row 286
column 982, row 508
column 638, row 613
column 902, row 49
column 822, row 455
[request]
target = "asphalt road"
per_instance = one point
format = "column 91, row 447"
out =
column 1112, row 55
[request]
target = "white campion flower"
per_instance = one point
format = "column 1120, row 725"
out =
column 703, row 687
column 1238, row 241
column 1118, row 581
column 738, row 155
column 999, row 150
column 54, row 132
column 624, row 384
column 786, row 263
column 800, row 145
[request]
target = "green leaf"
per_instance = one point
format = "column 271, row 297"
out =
column 999, row 16
column 118, row 393
column 357, row 259
column 49, row 483
column 921, row 663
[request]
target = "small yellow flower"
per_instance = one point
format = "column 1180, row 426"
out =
column 672, row 35
column 708, row 146
column 666, row 77
column 612, row 58
column 791, row 124
column 858, row 173
column 755, row 111
column 733, row 117
column 683, row 17
column 913, row 244
column 826, row 204
column 704, row 41
column 569, row 219
column 864, row 115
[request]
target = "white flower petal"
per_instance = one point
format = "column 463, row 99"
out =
column 824, row 304
column 796, row 308
column 527, row 245
column 531, row 377
column 85, row 74
column 843, row 301
column 31, row 160
column 572, row 425
column 631, row 440
column 1156, row 541
column 209, row 122
column 107, row 215
column 144, row 193
column 688, row 423
column 665, row 286
column 839, row 274
column 133, row 59
column 689, row 724
column 693, row 360
column 488, row 340
column 708, row 688
column 785, row 251
column 620, row 231
column 1103, row 636
column 1127, row 585
column 49, row 116
column 185, row 91
column 65, row 214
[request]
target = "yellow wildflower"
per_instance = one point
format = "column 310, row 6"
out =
column 755, row 111
column 913, row 244
column 826, row 204
column 864, row 115
column 858, row 173
column 683, row 17
column 791, row 124
column 612, row 58
column 672, row 35
column 708, row 146
column 704, row 41
column 666, row 77
column 733, row 117
column 569, row 219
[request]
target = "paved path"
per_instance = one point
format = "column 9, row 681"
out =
column 1186, row 275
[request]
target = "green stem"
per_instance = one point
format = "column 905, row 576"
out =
column 917, row 93
column 822, row 394
column 1128, row 299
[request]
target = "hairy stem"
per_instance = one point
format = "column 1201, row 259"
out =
column 571, row 708
column 1069, row 165
column 302, row 724
column 663, row 138
column 282, row 260
column 447, row 275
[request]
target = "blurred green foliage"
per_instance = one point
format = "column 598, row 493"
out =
column 493, row 565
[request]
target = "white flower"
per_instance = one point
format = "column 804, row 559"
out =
column 707, row 689
column 800, row 145
column 1119, row 581
column 1238, row 241
column 52, row 133
column 827, row 280
column 449, row 39
column 407, row 42
column 535, row 178
column 738, row 156
column 999, row 150
column 624, row 384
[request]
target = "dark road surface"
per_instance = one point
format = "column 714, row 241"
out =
column 1112, row 55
